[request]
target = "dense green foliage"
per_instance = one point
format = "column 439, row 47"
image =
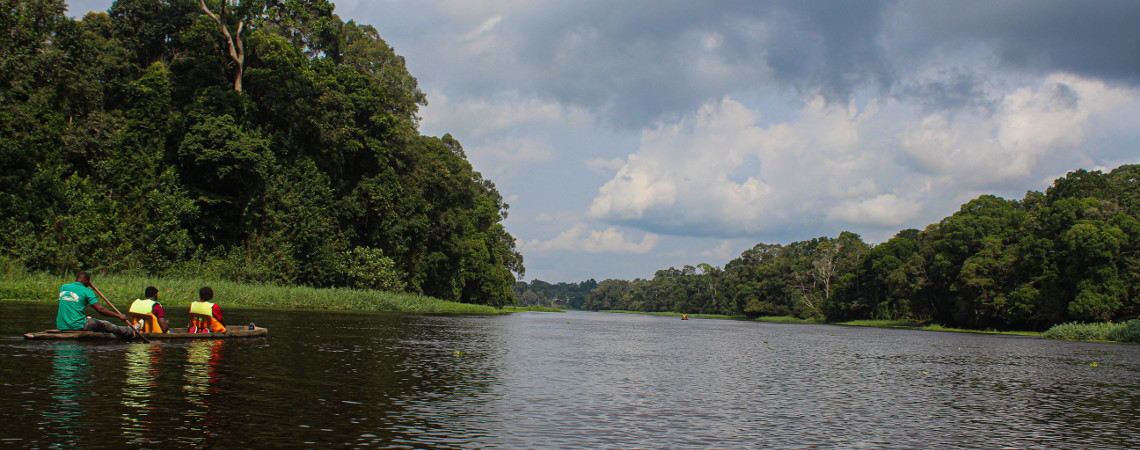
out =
column 135, row 142
column 1069, row 254
column 1102, row 331
column 560, row 295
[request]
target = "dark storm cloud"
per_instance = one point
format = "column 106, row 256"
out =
column 849, row 36
column 642, row 61
column 1096, row 39
column 950, row 89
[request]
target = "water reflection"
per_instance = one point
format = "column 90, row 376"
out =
column 572, row 380
column 143, row 362
column 69, row 380
column 201, row 376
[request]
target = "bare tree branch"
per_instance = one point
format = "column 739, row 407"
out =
column 235, row 45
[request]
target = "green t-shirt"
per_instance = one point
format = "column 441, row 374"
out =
column 73, row 300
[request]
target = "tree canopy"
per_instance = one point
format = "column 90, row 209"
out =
column 137, row 140
column 1071, row 253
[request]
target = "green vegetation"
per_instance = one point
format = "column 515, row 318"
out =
column 908, row 324
column 1071, row 253
column 533, row 308
column 886, row 324
column 787, row 319
column 675, row 314
column 157, row 140
column 179, row 292
column 1104, row 331
column 562, row 295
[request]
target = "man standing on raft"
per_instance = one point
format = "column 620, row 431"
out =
column 73, row 300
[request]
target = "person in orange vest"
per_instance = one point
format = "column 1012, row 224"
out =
column 147, row 315
column 205, row 316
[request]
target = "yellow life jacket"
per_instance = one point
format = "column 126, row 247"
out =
column 143, row 311
column 205, row 323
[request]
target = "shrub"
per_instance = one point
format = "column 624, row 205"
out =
column 368, row 268
column 1127, row 332
column 1099, row 331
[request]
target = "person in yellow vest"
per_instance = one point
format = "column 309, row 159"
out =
column 147, row 315
column 205, row 316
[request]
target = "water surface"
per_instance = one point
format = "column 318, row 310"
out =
column 563, row 380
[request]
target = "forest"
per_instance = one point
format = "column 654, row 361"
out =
column 262, row 141
column 269, row 141
column 1069, row 254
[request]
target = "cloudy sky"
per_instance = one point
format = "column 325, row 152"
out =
column 631, row 136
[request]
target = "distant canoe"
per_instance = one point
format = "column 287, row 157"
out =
column 175, row 333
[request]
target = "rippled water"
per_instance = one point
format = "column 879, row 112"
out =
column 563, row 380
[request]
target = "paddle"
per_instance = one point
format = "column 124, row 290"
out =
column 136, row 332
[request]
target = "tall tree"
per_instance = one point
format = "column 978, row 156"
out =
column 238, row 15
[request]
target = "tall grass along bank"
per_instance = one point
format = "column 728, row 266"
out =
column 1102, row 331
column 17, row 284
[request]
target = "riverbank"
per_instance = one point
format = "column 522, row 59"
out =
column 910, row 325
column 905, row 324
column 1097, row 332
column 122, row 289
column 532, row 308
column 675, row 314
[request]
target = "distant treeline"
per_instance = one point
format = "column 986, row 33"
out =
column 560, row 295
column 263, row 141
column 1069, row 254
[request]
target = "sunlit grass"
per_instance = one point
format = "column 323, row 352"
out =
column 1101, row 331
column 536, row 308
column 915, row 325
column 882, row 323
column 937, row 327
column 788, row 319
column 173, row 292
column 907, row 324
column 674, row 314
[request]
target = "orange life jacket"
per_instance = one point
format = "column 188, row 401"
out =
column 143, row 311
column 204, row 324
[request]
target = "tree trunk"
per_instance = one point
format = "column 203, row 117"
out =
column 234, row 42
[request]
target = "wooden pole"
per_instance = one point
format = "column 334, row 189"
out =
column 136, row 332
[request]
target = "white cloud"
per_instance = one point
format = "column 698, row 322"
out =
column 719, row 172
column 721, row 252
column 1028, row 126
column 516, row 150
column 483, row 117
column 884, row 210
column 484, row 28
column 544, row 218
column 579, row 238
column 602, row 165
column 835, row 167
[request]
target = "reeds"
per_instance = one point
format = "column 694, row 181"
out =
column 17, row 284
column 532, row 308
column 1100, row 331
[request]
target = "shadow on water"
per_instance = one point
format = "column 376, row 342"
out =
column 572, row 380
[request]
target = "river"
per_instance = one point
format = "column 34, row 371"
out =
column 562, row 380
